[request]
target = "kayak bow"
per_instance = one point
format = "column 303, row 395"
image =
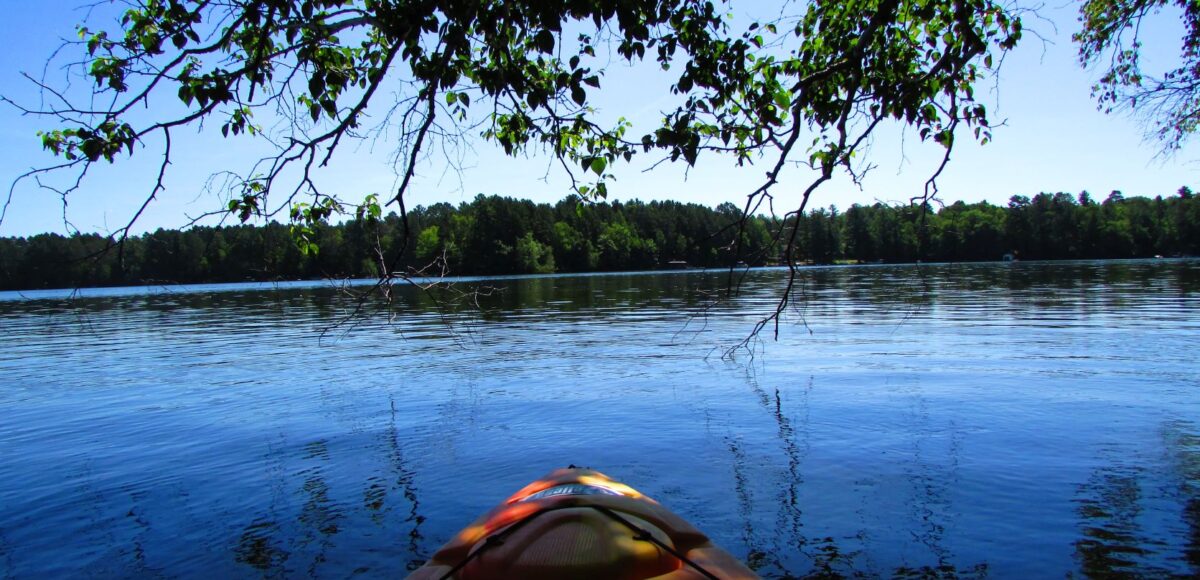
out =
column 579, row 523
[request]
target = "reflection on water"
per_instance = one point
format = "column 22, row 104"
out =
column 1183, row 442
column 1112, row 541
column 300, row 548
column 924, row 487
column 1121, row 516
column 938, row 422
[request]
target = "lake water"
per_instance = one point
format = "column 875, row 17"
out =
column 999, row 420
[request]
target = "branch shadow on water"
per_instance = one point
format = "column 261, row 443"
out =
column 330, row 532
column 794, row 548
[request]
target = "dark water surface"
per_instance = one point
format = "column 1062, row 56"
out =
column 1034, row 420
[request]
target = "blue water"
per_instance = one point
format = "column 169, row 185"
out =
column 964, row 420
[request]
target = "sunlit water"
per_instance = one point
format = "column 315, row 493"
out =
column 1034, row 420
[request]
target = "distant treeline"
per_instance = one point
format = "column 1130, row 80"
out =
column 499, row 235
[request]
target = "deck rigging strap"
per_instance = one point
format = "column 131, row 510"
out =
column 639, row 534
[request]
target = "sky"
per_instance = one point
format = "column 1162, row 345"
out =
column 1052, row 139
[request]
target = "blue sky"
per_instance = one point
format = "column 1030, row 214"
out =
column 1053, row 139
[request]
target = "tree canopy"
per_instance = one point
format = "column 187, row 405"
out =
column 494, row 235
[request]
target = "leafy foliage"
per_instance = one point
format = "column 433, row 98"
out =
column 1170, row 101
column 808, row 87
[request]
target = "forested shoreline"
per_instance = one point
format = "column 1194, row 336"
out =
column 500, row 235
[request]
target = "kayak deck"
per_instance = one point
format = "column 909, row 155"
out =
column 579, row 523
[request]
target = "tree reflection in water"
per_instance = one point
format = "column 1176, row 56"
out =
column 259, row 549
column 1112, row 537
column 1184, row 446
column 1118, row 540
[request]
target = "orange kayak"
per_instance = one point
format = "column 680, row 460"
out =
column 579, row 523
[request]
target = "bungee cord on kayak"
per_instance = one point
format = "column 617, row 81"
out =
column 577, row 523
column 640, row 535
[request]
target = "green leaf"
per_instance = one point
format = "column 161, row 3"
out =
column 783, row 98
column 545, row 41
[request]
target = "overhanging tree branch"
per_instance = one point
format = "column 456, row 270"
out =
column 832, row 72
